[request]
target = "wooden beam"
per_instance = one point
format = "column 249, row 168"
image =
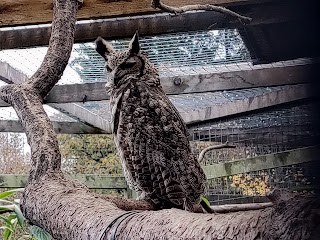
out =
column 23, row 12
column 59, row 127
column 228, row 81
column 287, row 94
column 264, row 77
column 269, row 161
column 90, row 180
column 72, row 110
column 84, row 115
column 8, row 73
column 275, row 11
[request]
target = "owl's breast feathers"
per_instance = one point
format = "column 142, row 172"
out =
column 153, row 143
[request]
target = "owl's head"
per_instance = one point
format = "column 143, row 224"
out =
column 122, row 65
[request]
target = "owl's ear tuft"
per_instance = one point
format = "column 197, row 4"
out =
column 103, row 47
column 134, row 46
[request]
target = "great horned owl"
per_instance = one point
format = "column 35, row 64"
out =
column 149, row 133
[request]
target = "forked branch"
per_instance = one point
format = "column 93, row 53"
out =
column 207, row 7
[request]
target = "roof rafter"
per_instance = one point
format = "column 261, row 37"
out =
column 262, row 12
column 59, row 127
column 285, row 95
column 40, row 11
column 70, row 109
column 261, row 76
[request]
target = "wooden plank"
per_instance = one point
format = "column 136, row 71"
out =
column 269, row 161
column 231, row 80
column 97, row 123
column 266, row 76
column 84, row 115
column 59, row 127
column 8, row 73
column 23, row 12
column 90, row 180
column 151, row 24
column 288, row 94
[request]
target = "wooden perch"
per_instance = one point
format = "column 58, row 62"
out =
column 68, row 210
column 206, row 7
column 207, row 149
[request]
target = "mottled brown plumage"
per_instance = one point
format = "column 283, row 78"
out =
column 150, row 135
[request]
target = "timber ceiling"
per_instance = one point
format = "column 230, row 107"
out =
column 280, row 29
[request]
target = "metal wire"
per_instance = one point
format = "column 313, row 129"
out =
column 189, row 53
column 265, row 132
column 257, row 134
column 167, row 51
column 253, row 186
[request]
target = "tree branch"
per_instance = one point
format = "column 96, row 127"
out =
column 27, row 98
column 259, row 224
column 206, row 7
column 207, row 149
column 227, row 208
column 60, row 46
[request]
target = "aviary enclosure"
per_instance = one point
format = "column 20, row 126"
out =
column 242, row 74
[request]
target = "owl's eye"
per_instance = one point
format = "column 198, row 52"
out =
column 127, row 65
column 108, row 68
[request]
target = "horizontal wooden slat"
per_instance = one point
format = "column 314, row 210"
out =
column 8, row 74
column 85, row 115
column 269, row 161
column 59, row 127
column 282, row 159
column 96, row 123
column 90, row 180
column 23, row 12
column 216, row 111
column 262, row 13
column 267, row 76
column 288, row 94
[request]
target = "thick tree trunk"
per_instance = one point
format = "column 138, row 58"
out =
column 67, row 209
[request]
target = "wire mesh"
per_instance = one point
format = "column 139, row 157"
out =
column 259, row 133
column 254, row 186
column 271, row 131
column 266, row 132
column 178, row 53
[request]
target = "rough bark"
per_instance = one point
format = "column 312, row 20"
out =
column 285, row 221
column 67, row 209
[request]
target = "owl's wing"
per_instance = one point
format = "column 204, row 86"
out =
column 162, row 159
